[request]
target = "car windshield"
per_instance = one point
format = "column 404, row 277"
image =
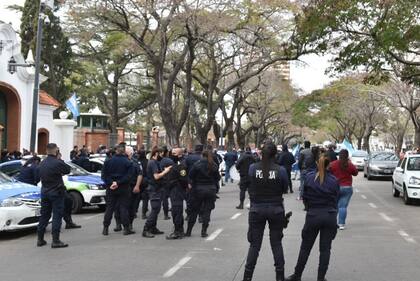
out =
column 4, row 178
column 385, row 157
column 359, row 154
column 413, row 164
column 77, row 170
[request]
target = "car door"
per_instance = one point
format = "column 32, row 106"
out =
column 399, row 176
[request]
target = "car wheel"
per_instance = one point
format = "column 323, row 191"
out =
column 395, row 192
column 364, row 174
column 369, row 177
column 407, row 200
column 77, row 202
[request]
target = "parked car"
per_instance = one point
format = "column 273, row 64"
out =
column 358, row 159
column 85, row 188
column 406, row 179
column 20, row 204
column 380, row 165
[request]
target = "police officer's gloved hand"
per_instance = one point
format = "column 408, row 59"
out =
column 287, row 219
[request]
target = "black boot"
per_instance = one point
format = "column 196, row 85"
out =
column 247, row 275
column 147, row 233
column 240, row 206
column 41, row 242
column 174, row 235
column 167, row 217
column 156, row 231
column 279, row 275
column 189, row 230
column 128, row 231
column 72, row 225
column 105, row 231
column 118, row 227
column 204, row 230
column 293, row 277
column 56, row 243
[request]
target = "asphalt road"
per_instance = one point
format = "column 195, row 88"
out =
column 381, row 243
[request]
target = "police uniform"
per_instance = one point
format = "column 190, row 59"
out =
column 144, row 196
column 53, row 191
column 155, row 196
column 118, row 169
column 203, row 194
column 178, row 186
column 321, row 205
column 266, row 197
column 242, row 166
column 166, row 186
column 189, row 161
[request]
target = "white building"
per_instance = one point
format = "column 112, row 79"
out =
column 16, row 99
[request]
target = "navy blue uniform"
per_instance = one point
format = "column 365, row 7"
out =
column 204, row 184
column 230, row 159
column 155, row 194
column 189, row 161
column 166, row 162
column 286, row 159
column 144, row 195
column 119, row 169
column 29, row 174
column 242, row 166
column 178, row 185
column 266, row 197
column 321, row 217
column 53, row 191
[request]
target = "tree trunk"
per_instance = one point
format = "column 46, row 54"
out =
column 359, row 143
column 366, row 139
column 417, row 137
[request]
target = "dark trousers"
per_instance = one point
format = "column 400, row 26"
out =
column 155, row 197
column 289, row 177
column 259, row 214
column 118, row 201
column 51, row 204
column 243, row 186
column 165, row 200
column 177, row 195
column 68, row 207
column 202, row 202
column 144, row 200
column 132, row 208
column 323, row 222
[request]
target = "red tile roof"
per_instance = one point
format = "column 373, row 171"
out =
column 45, row 98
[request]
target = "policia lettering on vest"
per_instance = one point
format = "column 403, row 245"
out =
column 268, row 182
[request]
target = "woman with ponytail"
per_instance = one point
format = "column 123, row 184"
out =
column 344, row 171
column 268, row 182
column 320, row 196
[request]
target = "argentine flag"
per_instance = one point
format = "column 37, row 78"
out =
column 73, row 106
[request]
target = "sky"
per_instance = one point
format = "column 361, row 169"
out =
column 307, row 75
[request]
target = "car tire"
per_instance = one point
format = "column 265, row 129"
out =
column 369, row 177
column 395, row 192
column 77, row 202
column 364, row 174
column 407, row 200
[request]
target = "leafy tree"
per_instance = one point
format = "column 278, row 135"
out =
column 56, row 54
column 381, row 36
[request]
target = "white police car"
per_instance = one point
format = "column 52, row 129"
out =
column 406, row 178
column 20, row 204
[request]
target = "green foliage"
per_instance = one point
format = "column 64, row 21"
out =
column 381, row 36
column 56, row 54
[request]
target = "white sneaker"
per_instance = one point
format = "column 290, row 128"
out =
column 341, row 226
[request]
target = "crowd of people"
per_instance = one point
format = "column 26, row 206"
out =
column 193, row 180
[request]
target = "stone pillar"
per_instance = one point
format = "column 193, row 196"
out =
column 121, row 134
column 155, row 136
column 63, row 136
column 140, row 139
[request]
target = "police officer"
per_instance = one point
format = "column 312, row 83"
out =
column 53, row 191
column 242, row 166
column 268, row 183
column 165, row 162
column 135, row 182
column 286, row 159
column 320, row 196
column 305, row 162
column 116, row 174
column 144, row 183
column 178, row 185
column 29, row 172
column 155, row 174
column 204, row 178
column 189, row 161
